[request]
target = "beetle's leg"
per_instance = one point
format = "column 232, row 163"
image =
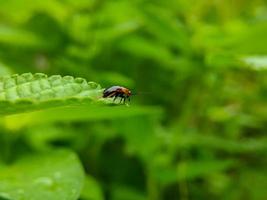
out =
column 121, row 97
column 115, row 97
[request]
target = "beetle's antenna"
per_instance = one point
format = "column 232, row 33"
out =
column 138, row 93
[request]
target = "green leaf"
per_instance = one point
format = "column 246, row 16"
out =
column 54, row 176
column 18, row 37
column 91, row 190
column 147, row 49
column 195, row 169
column 26, row 92
column 252, row 182
column 4, row 69
column 78, row 113
column 256, row 62
column 13, row 12
column 124, row 192
column 218, row 143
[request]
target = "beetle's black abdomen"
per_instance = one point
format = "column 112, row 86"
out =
column 110, row 92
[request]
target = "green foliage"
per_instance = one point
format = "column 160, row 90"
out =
column 43, row 176
column 195, row 130
column 28, row 92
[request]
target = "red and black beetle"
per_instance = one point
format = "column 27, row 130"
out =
column 117, row 91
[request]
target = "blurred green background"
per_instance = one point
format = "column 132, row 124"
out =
column 197, row 130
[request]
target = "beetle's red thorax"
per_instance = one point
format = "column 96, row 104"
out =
column 126, row 91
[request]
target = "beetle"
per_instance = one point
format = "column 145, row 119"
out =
column 117, row 91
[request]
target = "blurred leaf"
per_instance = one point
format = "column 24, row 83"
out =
column 190, row 170
column 166, row 27
column 18, row 37
column 252, row 40
column 13, row 10
column 122, row 193
column 221, row 59
column 106, row 34
column 91, row 190
column 141, row 138
column 256, row 62
column 214, row 142
column 110, row 77
column 57, row 175
column 147, row 49
column 196, row 169
column 77, row 113
column 40, row 137
column 4, row 70
column 250, row 184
